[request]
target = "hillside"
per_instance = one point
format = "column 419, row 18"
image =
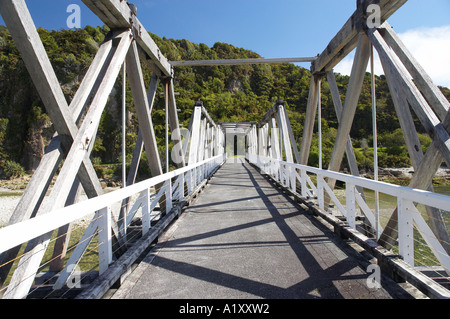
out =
column 230, row 93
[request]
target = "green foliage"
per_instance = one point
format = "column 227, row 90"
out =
column 12, row 170
column 230, row 93
column 3, row 128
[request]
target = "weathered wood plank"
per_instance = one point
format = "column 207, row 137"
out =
column 292, row 137
column 351, row 101
column 26, row 270
column 308, row 126
column 348, row 113
column 285, row 134
column 351, row 158
column 432, row 93
column 241, row 61
column 33, row 197
column 195, row 135
column 122, row 17
column 45, row 81
column 137, row 152
column 347, row 38
column 175, row 125
column 137, row 85
column 427, row 117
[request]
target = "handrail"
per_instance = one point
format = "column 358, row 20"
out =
column 408, row 216
column 16, row 234
column 416, row 195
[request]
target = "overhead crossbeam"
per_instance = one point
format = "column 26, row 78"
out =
column 116, row 14
column 242, row 61
column 347, row 38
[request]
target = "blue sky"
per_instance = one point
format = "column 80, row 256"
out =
column 281, row 28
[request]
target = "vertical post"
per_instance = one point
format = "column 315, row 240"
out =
column 166, row 89
column 146, row 222
column 319, row 121
column 375, row 140
column 348, row 112
column 169, row 196
column 320, row 191
column 351, row 204
column 105, row 240
column 405, row 231
column 309, row 122
column 181, row 187
column 303, row 183
column 293, row 173
column 124, row 119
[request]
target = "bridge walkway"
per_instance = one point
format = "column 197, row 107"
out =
column 243, row 238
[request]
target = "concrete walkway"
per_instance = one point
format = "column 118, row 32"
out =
column 242, row 238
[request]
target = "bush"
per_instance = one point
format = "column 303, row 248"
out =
column 12, row 170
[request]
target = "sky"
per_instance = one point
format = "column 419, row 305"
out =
column 275, row 28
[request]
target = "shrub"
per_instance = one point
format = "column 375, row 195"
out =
column 12, row 170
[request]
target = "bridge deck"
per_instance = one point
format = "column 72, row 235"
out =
column 243, row 238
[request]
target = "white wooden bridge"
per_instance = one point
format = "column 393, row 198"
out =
column 258, row 222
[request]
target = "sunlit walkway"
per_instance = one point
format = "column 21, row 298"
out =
column 242, row 238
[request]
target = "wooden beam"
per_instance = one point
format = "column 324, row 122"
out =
column 137, row 85
column 268, row 116
column 432, row 93
column 26, row 270
column 195, row 135
column 347, row 38
column 63, row 235
column 175, row 125
column 241, row 61
column 284, row 134
column 131, row 177
column 137, row 152
column 351, row 158
column 275, row 142
column 351, row 101
column 291, row 137
column 117, row 15
column 32, row 198
column 308, row 126
column 44, row 78
column 427, row 117
column 425, row 168
column 42, row 74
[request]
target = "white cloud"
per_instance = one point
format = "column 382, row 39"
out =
column 430, row 47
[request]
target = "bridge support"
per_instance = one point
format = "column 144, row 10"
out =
column 73, row 143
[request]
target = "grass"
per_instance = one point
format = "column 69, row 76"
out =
column 89, row 260
column 11, row 194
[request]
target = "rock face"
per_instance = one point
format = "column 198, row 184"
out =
column 236, row 86
column 35, row 145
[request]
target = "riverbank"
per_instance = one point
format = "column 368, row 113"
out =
column 402, row 176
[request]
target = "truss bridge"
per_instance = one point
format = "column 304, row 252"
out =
column 242, row 215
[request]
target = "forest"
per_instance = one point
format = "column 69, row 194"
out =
column 229, row 93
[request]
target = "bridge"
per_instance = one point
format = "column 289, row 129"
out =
column 242, row 216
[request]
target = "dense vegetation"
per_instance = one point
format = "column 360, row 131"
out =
column 230, row 93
